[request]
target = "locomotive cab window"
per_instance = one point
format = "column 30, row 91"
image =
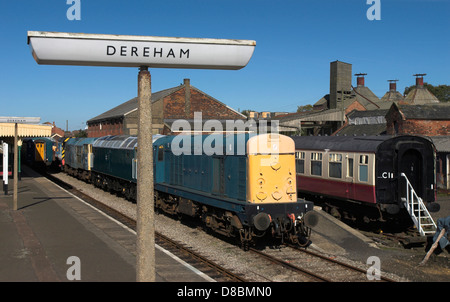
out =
column 300, row 162
column 316, row 163
column 335, row 165
column 364, row 168
column 160, row 153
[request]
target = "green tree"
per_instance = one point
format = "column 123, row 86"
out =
column 304, row 108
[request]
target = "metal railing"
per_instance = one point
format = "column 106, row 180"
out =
column 418, row 211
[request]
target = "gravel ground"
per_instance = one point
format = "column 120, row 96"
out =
column 401, row 263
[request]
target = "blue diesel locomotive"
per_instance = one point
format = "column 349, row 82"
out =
column 239, row 185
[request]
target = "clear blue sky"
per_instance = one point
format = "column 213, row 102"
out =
column 295, row 43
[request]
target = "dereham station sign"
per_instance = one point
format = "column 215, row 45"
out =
column 54, row 48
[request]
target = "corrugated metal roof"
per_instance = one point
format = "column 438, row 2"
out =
column 25, row 130
column 365, row 129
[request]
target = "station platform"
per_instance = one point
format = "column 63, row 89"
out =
column 54, row 236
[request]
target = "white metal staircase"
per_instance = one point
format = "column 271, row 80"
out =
column 418, row 211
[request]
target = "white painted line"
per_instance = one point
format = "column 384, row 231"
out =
column 187, row 265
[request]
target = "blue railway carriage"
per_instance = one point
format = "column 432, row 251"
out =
column 78, row 157
column 115, row 164
column 39, row 151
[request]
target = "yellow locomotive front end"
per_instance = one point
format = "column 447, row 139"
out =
column 272, row 204
column 271, row 169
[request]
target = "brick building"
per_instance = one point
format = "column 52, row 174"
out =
column 180, row 102
column 429, row 120
column 56, row 132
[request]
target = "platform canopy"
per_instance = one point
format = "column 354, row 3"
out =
column 25, row 130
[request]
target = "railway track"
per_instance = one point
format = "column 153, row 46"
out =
column 210, row 268
column 340, row 271
column 307, row 265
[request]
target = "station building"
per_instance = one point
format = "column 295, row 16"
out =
column 169, row 105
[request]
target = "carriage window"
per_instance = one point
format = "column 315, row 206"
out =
column 350, row 167
column 335, row 165
column 316, row 163
column 300, row 162
column 363, row 168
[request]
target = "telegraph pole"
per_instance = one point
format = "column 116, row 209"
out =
column 145, row 262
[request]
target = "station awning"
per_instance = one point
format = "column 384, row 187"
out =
column 25, row 130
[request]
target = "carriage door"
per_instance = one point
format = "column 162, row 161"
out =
column 448, row 172
column 349, row 176
column 218, row 169
column 39, row 155
column 411, row 164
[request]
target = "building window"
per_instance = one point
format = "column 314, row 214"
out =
column 364, row 168
column 300, row 162
column 316, row 163
column 335, row 165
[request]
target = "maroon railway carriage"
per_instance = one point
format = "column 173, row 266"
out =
column 365, row 170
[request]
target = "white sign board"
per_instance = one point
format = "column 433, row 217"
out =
column 54, row 48
column 19, row 119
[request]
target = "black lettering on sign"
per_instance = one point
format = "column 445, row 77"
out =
column 160, row 52
column 123, row 51
column 182, row 52
column 110, row 50
column 146, row 52
column 134, row 51
column 170, row 53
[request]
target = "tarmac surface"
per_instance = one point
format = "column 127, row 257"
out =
column 54, row 236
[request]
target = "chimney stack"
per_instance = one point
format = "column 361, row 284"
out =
column 360, row 79
column 187, row 97
column 419, row 79
column 340, row 80
column 392, row 85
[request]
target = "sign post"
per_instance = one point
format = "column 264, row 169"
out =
column 5, row 168
column 145, row 268
column 54, row 48
column 16, row 166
